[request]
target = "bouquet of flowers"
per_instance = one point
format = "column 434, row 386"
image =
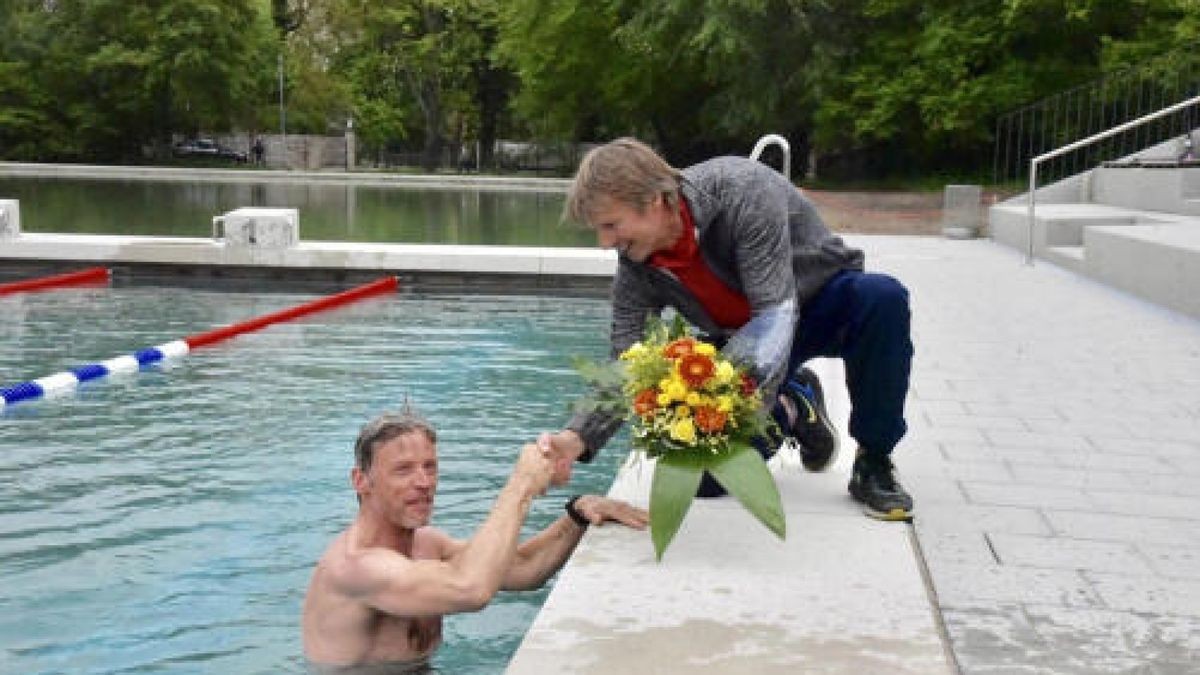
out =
column 694, row 411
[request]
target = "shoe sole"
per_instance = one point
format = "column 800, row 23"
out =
column 895, row 515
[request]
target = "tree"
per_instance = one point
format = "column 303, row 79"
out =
column 428, row 57
column 28, row 129
column 122, row 76
column 913, row 85
column 696, row 79
column 1166, row 37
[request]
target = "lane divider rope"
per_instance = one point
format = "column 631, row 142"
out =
column 66, row 381
column 89, row 277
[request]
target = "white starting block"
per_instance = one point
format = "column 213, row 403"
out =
column 261, row 228
column 10, row 219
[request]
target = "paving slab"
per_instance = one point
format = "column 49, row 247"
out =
column 1088, row 511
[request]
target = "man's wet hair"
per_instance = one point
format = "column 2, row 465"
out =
column 385, row 427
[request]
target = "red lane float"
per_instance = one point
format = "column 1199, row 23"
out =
column 384, row 285
column 93, row 276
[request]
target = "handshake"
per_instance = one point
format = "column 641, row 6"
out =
column 548, row 461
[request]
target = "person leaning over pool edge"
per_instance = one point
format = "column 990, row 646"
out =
column 739, row 252
column 379, row 591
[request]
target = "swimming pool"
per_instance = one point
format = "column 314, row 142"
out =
column 328, row 212
column 168, row 520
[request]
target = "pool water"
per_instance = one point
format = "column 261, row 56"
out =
column 168, row 520
column 328, row 212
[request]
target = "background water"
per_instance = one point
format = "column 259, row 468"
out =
column 327, row 212
column 168, row 520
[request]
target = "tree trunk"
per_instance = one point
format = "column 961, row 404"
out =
column 492, row 95
column 431, row 106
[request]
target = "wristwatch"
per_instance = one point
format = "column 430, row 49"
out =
column 574, row 513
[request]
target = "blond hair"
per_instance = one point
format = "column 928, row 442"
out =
column 625, row 170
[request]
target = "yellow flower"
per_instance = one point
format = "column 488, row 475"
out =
column 635, row 350
column 705, row 349
column 725, row 403
column 684, row 430
column 693, row 398
column 676, row 389
column 682, row 411
column 726, row 373
column 662, row 399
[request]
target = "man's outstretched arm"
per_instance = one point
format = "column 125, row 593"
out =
column 539, row 557
column 395, row 584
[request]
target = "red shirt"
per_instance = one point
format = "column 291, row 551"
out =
column 727, row 307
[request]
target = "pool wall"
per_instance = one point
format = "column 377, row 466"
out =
column 313, row 265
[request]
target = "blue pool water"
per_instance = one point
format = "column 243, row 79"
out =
column 168, row 520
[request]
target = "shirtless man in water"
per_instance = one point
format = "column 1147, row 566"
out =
column 378, row 594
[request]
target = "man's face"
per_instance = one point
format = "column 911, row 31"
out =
column 637, row 233
column 402, row 480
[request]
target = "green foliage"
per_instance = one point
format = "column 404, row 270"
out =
column 878, row 87
column 693, row 78
column 1164, row 40
column 121, row 76
column 415, row 68
column 923, row 81
column 672, row 491
column 744, row 474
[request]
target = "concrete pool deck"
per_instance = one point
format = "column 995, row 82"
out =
column 1054, row 453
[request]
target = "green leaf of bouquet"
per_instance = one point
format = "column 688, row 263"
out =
column 671, row 493
column 606, row 374
column 744, row 474
column 678, row 329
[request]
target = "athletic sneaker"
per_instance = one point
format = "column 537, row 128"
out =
column 812, row 428
column 873, row 482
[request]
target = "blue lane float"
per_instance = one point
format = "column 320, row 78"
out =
column 66, row 381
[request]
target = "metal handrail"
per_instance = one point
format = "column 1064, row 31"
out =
column 776, row 139
column 1033, row 163
column 1092, row 107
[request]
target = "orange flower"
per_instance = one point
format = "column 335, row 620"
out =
column 696, row 369
column 748, row 385
column 709, row 419
column 644, row 403
column 679, row 348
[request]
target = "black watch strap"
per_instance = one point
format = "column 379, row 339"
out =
column 574, row 513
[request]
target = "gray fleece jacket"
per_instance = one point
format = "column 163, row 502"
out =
column 761, row 237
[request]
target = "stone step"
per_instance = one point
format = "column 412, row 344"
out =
column 1159, row 262
column 1151, row 254
column 1070, row 257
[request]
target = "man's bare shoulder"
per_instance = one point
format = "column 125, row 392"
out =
column 352, row 568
